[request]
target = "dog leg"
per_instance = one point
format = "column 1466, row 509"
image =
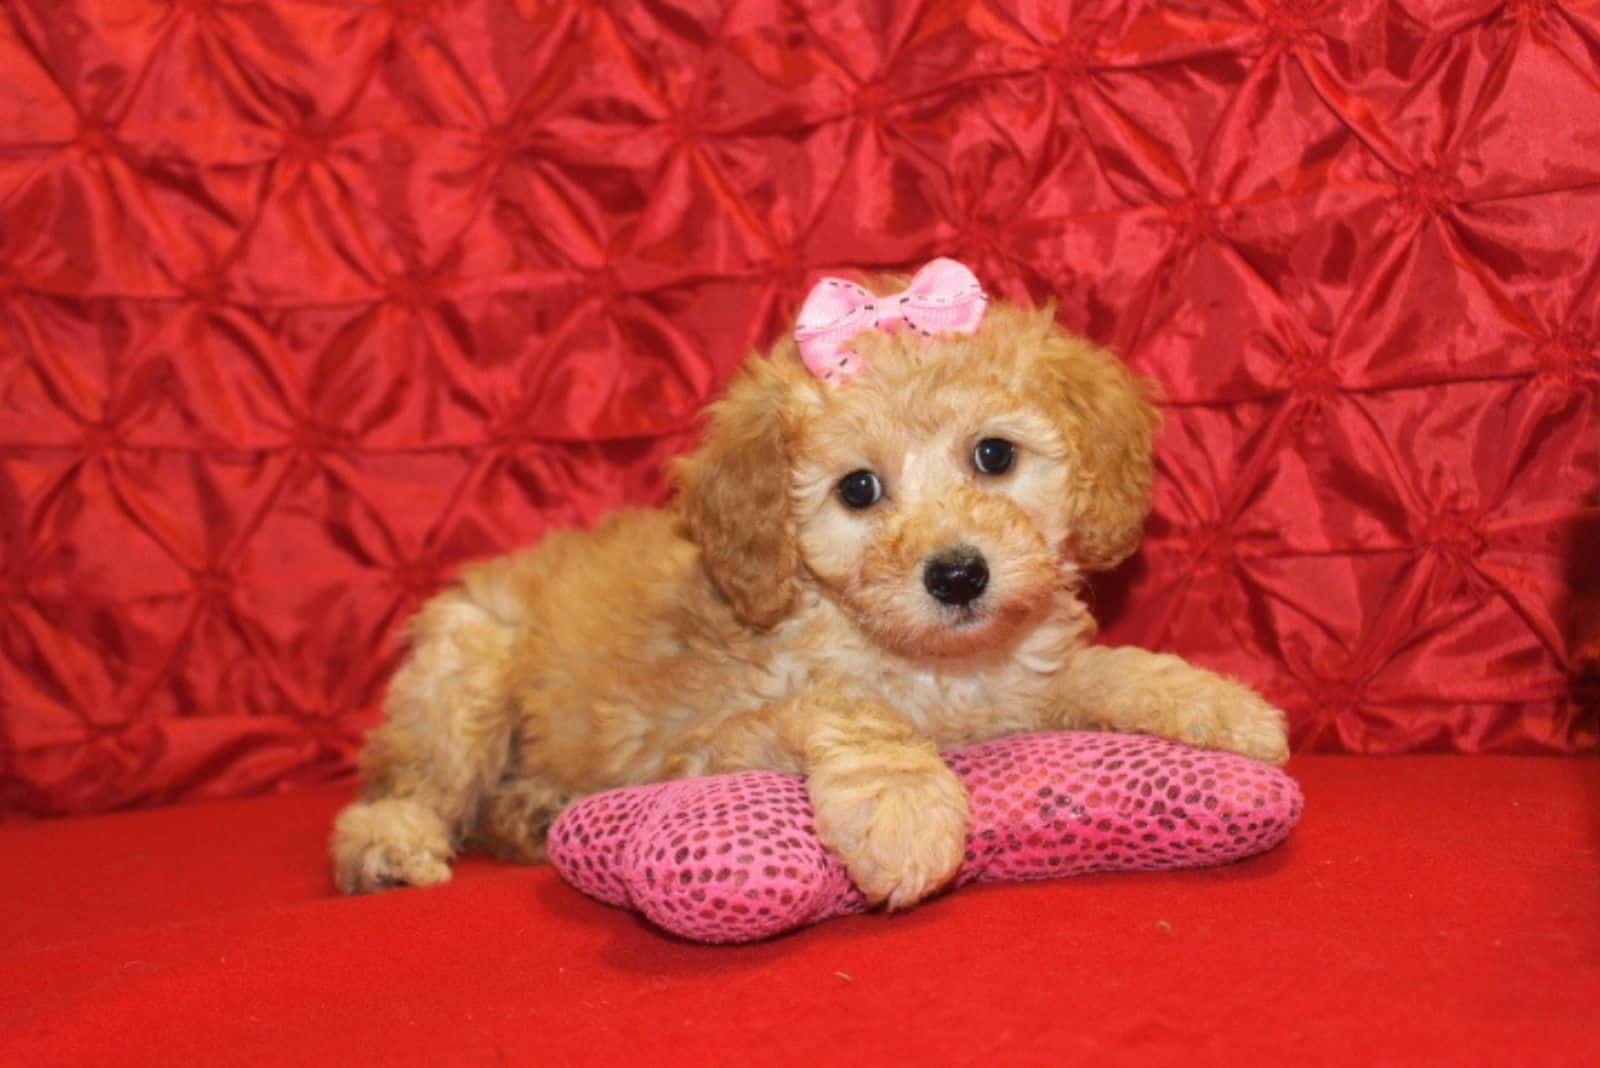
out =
column 883, row 798
column 516, row 819
column 1127, row 689
column 444, row 738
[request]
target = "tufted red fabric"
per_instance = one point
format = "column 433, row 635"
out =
column 302, row 303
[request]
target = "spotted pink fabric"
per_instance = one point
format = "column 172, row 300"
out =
column 734, row 858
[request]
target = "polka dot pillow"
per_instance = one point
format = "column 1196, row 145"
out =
column 734, row 858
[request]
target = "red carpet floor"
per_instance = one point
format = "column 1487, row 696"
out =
column 1428, row 910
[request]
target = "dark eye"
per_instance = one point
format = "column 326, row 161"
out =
column 994, row 456
column 860, row 489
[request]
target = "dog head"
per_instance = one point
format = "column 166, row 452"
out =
column 941, row 498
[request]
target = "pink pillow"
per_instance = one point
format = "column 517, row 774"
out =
column 734, row 858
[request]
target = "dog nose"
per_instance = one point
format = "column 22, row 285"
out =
column 956, row 577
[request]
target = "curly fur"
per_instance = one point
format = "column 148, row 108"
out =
column 759, row 623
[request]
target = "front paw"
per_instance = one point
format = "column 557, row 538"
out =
column 901, row 833
column 1239, row 720
column 1259, row 730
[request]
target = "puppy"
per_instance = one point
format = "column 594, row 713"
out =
column 856, row 572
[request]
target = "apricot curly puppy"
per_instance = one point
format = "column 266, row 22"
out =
column 875, row 553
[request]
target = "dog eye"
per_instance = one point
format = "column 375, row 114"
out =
column 860, row 489
column 994, row 456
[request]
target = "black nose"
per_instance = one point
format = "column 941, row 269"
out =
column 956, row 577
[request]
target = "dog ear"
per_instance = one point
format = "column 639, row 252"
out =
column 734, row 497
column 1107, row 418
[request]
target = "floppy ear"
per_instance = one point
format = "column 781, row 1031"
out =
column 1107, row 419
column 733, row 495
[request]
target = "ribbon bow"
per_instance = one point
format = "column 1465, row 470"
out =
column 943, row 298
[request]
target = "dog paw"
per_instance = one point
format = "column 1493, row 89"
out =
column 901, row 835
column 1239, row 721
column 1259, row 730
column 382, row 844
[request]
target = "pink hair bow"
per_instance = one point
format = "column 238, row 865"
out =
column 943, row 298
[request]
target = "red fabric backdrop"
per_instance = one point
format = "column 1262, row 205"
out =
column 302, row 303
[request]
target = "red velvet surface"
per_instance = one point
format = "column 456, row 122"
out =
column 1437, row 910
column 302, row 303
